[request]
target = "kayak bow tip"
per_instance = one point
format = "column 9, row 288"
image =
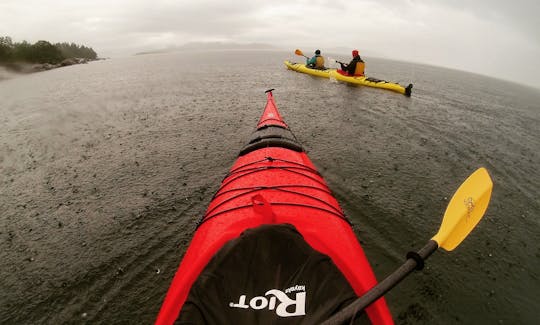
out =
column 408, row 90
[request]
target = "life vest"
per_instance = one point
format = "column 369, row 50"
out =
column 319, row 63
column 359, row 71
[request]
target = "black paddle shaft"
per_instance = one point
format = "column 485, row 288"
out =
column 415, row 260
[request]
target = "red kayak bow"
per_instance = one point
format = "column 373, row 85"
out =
column 273, row 246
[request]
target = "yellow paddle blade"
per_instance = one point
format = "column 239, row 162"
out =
column 298, row 52
column 465, row 210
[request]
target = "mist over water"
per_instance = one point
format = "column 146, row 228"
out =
column 105, row 169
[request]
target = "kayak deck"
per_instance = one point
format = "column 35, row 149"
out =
column 371, row 82
column 302, row 68
column 273, row 182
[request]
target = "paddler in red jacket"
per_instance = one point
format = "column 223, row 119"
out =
column 355, row 67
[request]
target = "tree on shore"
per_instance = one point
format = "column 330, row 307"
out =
column 76, row 51
column 42, row 51
column 6, row 48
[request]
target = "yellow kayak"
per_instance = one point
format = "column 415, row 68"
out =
column 364, row 81
column 300, row 67
column 372, row 82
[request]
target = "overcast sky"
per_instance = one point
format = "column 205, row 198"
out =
column 497, row 38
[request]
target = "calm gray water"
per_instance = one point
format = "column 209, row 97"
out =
column 106, row 167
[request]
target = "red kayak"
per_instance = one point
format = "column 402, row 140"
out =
column 274, row 246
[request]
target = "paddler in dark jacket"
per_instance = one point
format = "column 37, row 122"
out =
column 316, row 62
column 355, row 67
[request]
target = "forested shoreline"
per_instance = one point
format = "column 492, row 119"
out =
column 42, row 55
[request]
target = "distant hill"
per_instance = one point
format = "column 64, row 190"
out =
column 212, row 46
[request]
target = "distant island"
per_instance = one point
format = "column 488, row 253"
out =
column 42, row 55
column 211, row 46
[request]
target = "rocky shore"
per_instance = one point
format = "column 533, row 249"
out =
column 12, row 69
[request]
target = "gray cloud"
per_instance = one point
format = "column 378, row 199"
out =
column 479, row 36
column 522, row 15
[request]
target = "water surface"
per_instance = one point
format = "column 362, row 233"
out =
column 106, row 167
